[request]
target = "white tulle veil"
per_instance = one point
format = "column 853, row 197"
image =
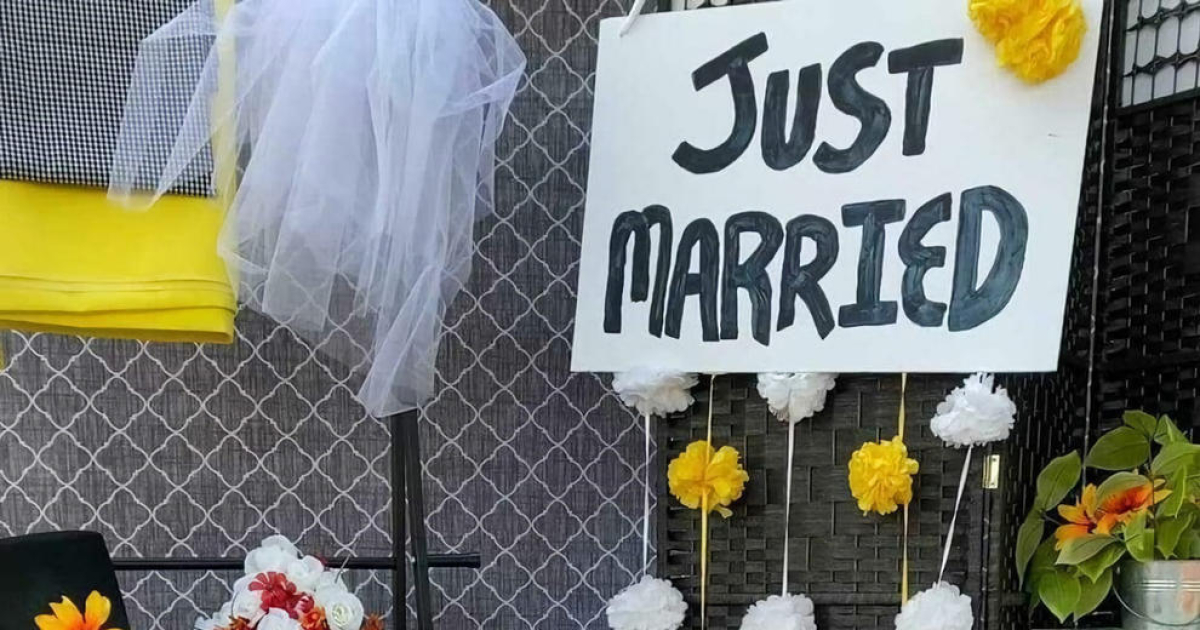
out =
column 358, row 142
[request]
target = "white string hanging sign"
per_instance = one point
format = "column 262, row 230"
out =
column 650, row 603
column 974, row 414
column 792, row 398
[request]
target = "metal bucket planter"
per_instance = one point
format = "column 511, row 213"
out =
column 1159, row 595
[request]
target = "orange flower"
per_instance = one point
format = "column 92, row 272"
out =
column 67, row 617
column 1122, row 507
column 374, row 622
column 314, row 619
column 1081, row 518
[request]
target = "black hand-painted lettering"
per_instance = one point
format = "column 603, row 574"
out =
column 919, row 259
column 750, row 275
column 919, row 61
column 627, row 224
column 778, row 153
column 700, row 232
column 803, row 281
column 637, row 225
column 868, row 310
column 660, row 216
column 732, row 63
column 971, row 306
column 850, row 98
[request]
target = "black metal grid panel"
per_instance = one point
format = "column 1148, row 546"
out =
column 1161, row 53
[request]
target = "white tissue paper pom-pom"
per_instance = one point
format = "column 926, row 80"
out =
column 651, row 604
column 655, row 392
column 939, row 608
column 787, row 612
column 974, row 414
column 793, row 397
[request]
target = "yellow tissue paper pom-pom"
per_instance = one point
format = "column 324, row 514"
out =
column 1036, row 39
column 994, row 18
column 1045, row 41
column 699, row 470
column 881, row 476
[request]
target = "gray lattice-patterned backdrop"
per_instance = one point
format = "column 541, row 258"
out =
column 201, row 451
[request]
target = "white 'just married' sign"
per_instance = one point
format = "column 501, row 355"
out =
column 827, row 186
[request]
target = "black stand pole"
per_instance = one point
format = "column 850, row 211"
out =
column 410, row 445
column 399, row 533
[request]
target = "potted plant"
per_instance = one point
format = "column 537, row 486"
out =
column 1132, row 523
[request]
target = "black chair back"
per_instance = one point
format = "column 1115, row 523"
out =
column 38, row 569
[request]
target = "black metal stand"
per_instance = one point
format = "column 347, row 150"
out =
column 411, row 447
column 407, row 493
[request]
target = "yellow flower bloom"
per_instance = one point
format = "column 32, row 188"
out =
column 994, row 18
column 67, row 617
column 881, row 476
column 1036, row 39
column 698, row 471
column 1045, row 41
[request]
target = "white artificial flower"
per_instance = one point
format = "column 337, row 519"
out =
column 305, row 573
column 246, row 604
column 343, row 611
column 220, row 620
column 795, row 396
column 278, row 619
column 650, row 604
column 655, row 392
column 275, row 554
column 975, row 413
column 780, row 612
column 281, row 542
column 203, row 623
column 331, row 579
column 941, row 607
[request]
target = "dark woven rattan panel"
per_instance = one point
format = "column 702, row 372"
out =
column 1151, row 294
column 848, row 563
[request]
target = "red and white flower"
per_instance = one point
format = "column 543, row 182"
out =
column 283, row 590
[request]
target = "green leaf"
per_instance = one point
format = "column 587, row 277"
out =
column 1189, row 546
column 1178, row 485
column 1170, row 530
column 1034, row 597
column 1092, row 593
column 1168, row 433
column 1028, row 538
column 1099, row 563
column 1079, row 549
column 1043, row 558
column 1060, row 592
column 1172, row 457
column 1122, row 448
column 1118, row 483
column 1145, row 423
column 1139, row 539
column 1057, row 479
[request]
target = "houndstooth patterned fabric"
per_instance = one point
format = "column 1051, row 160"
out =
column 65, row 66
column 201, row 451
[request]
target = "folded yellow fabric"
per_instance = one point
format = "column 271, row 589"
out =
column 71, row 261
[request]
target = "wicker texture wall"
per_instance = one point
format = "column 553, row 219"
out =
column 1150, row 304
column 848, row 563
